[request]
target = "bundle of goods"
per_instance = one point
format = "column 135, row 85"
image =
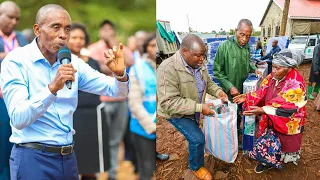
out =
column 251, row 84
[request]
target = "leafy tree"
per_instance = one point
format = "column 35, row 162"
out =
column 129, row 16
column 222, row 32
column 232, row 32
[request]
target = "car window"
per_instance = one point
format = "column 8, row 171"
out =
column 299, row 40
column 312, row 42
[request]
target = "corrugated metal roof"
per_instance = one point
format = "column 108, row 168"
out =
column 299, row 9
column 302, row 8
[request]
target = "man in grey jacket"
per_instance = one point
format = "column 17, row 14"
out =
column 182, row 83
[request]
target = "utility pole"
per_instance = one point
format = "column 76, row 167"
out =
column 284, row 18
column 188, row 23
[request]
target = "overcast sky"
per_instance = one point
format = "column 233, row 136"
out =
column 208, row 15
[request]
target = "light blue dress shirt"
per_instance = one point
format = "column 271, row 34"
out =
column 36, row 115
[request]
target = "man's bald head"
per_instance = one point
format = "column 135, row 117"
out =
column 192, row 42
column 8, row 6
column 52, row 29
column 9, row 16
column 44, row 12
column 193, row 50
column 274, row 43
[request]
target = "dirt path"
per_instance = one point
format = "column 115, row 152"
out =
column 169, row 140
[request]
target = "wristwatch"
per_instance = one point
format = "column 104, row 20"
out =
column 121, row 77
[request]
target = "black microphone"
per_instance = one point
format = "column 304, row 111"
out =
column 64, row 56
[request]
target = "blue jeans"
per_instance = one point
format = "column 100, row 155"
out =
column 195, row 137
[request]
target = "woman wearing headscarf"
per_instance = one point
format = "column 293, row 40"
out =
column 283, row 96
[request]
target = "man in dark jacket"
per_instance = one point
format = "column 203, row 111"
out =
column 269, row 56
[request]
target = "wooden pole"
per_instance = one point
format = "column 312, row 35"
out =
column 284, row 18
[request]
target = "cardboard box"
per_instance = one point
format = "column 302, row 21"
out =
column 252, row 83
column 263, row 69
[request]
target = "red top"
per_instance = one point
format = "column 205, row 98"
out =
column 285, row 102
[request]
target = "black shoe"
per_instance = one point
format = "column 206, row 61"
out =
column 260, row 168
column 162, row 157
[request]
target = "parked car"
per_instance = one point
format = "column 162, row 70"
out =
column 305, row 44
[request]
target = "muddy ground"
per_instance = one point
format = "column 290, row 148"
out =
column 170, row 141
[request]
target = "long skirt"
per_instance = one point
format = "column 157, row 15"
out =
column 91, row 140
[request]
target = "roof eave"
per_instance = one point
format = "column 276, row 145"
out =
column 305, row 17
column 265, row 12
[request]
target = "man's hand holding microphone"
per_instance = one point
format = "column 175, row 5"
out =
column 65, row 75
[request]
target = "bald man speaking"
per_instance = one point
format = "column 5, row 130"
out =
column 182, row 83
column 39, row 103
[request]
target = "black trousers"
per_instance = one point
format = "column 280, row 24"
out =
column 146, row 155
column 130, row 151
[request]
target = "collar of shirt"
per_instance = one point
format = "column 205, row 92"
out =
column 277, row 81
column 10, row 42
column 11, row 37
column 36, row 54
column 273, row 48
column 187, row 65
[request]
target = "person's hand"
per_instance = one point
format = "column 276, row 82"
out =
column 258, row 73
column 262, row 63
column 3, row 55
column 239, row 99
column 1, row 95
column 206, row 110
column 316, row 73
column 115, row 60
column 65, row 73
column 234, row 91
column 254, row 110
column 223, row 96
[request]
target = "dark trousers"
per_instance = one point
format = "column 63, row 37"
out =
column 130, row 151
column 269, row 67
column 146, row 155
column 32, row 164
column 195, row 137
